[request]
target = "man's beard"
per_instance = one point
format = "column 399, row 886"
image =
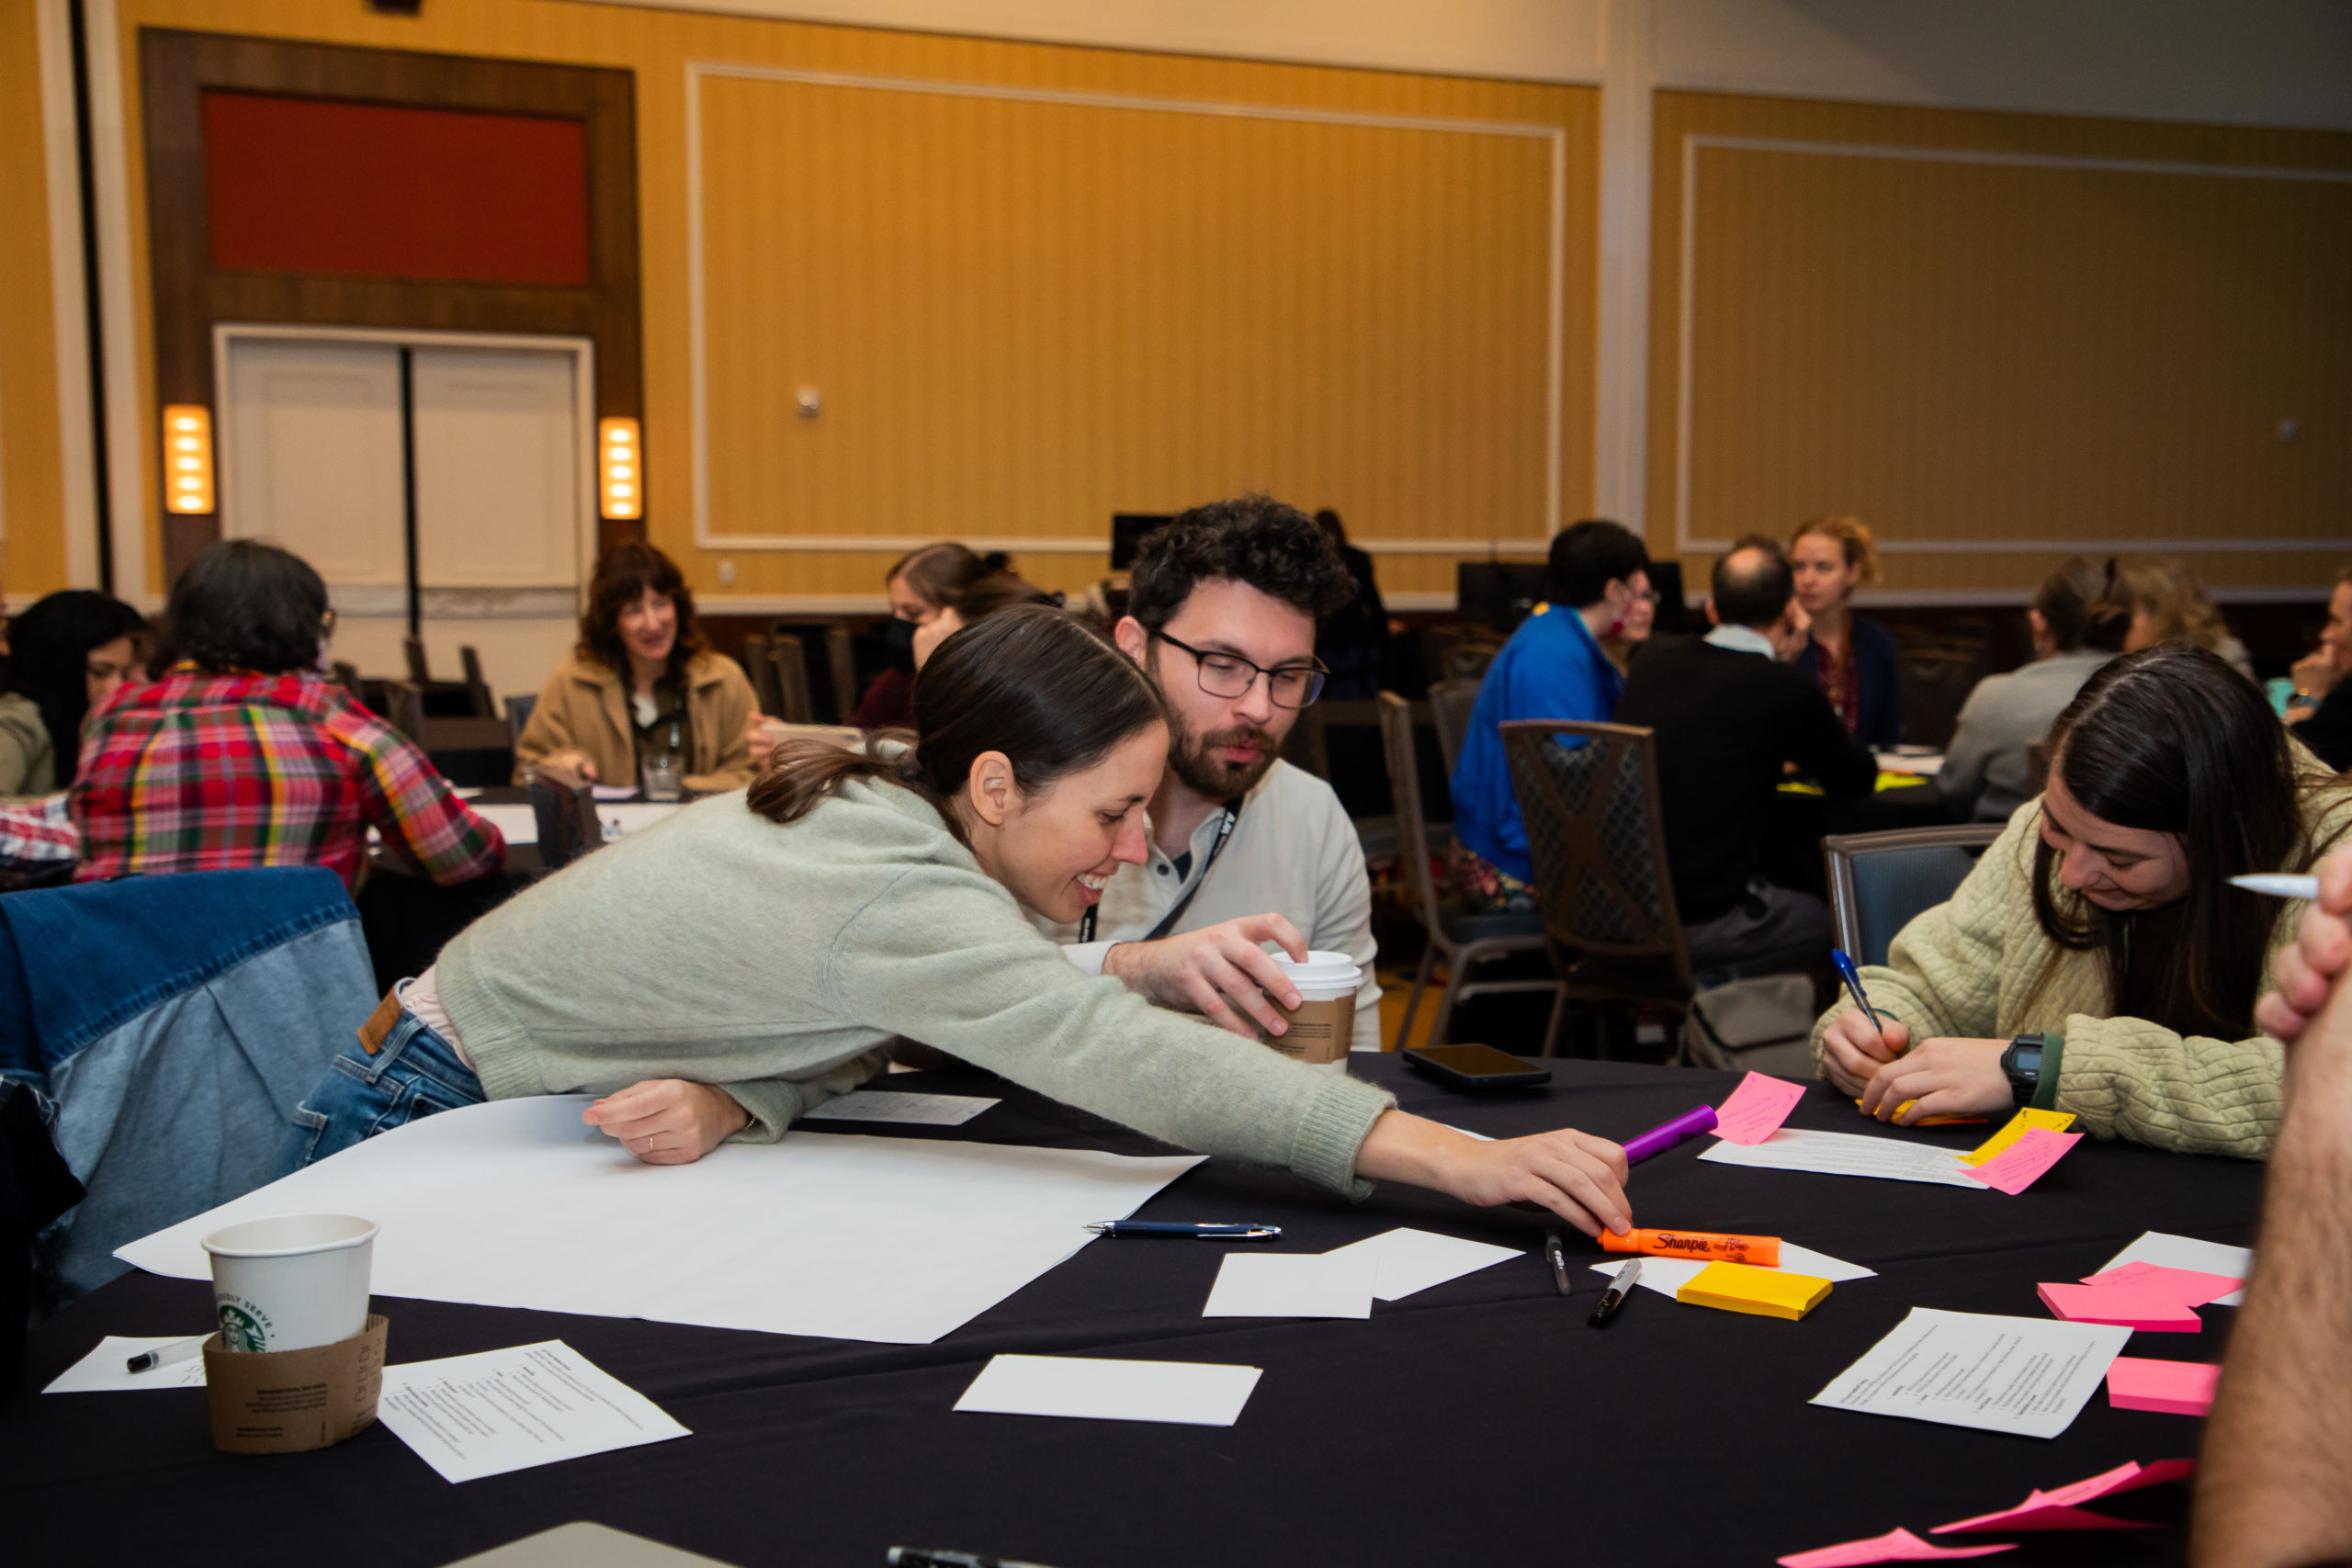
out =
column 1192, row 758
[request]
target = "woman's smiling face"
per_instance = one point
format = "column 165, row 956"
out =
column 2121, row 869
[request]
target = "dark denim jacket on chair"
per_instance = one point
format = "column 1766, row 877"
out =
column 177, row 1021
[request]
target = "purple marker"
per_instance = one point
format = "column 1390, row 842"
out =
column 1682, row 1129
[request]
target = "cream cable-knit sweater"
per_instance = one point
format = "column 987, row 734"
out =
column 1964, row 969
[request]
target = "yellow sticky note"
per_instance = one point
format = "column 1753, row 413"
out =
column 1767, row 1292
column 2056, row 1121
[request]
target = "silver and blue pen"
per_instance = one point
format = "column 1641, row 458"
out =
column 1847, row 973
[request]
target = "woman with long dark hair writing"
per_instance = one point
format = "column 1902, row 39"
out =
column 2098, row 960
column 716, row 976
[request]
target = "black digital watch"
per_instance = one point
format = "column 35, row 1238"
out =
column 2021, row 1065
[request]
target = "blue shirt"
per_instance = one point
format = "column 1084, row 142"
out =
column 1551, row 668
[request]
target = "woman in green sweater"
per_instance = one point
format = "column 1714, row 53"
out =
column 718, row 975
column 2097, row 959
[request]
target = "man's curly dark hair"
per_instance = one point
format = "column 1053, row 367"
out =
column 1276, row 550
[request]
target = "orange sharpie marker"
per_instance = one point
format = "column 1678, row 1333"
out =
column 1762, row 1251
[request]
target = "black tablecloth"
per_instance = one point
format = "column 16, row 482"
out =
column 1478, row 1422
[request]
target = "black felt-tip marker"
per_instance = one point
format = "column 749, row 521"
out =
column 937, row 1557
column 1614, row 1296
column 1556, row 1253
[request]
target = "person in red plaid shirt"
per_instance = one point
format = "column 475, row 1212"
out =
column 243, row 754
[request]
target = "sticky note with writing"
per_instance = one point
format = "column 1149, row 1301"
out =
column 1757, row 1108
column 2126, row 1306
column 2021, row 1165
column 2056, row 1121
column 2188, row 1286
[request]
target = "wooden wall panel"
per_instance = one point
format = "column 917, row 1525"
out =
column 2001, row 337
column 933, row 490
column 32, row 480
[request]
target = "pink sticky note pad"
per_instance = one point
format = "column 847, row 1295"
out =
column 2187, row 1286
column 2017, row 1167
column 2131, row 1306
column 1756, row 1109
column 2058, row 1511
column 2176, row 1388
column 1894, row 1546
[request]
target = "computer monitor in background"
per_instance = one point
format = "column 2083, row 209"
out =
column 1500, row 594
column 1127, row 529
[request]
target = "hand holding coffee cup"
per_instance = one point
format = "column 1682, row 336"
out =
column 1321, row 1025
column 293, row 1281
column 1222, row 972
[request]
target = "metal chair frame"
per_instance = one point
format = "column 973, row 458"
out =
column 1422, row 903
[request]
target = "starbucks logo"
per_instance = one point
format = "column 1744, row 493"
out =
column 239, row 1330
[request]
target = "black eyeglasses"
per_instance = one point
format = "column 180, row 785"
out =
column 1231, row 675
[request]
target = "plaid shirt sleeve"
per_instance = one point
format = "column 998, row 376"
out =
column 408, row 801
column 38, row 833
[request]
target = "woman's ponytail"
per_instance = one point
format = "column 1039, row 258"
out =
column 801, row 774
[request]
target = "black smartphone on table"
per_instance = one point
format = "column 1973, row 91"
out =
column 1477, row 1066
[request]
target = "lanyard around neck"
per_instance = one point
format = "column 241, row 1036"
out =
column 1168, row 921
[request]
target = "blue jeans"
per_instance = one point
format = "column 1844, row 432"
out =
column 414, row 1074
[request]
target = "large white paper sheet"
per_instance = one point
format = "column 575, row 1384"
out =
column 1667, row 1276
column 2025, row 1375
column 469, row 1417
column 1847, row 1154
column 2167, row 1251
column 1406, row 1261
column 516, row 1203
column 103, row 1369
column 1313, row 1285
column 1193, row 1393
column 515, row 824
column 898, row 1105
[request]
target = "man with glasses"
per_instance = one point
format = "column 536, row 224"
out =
column 1244, row 848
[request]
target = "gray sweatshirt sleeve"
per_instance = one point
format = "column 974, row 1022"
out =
column 945, row 956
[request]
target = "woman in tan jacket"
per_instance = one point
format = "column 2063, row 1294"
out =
column 642, row 684
column 2098, row 960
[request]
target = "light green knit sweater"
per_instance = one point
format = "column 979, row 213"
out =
column 721, row 947
column 1964, row 969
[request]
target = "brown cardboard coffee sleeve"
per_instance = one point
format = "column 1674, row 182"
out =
column 1318, row 1032
column 289, row 1401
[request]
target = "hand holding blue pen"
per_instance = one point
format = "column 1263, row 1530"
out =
column 1847, row 973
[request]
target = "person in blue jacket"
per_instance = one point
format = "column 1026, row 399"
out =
column 1851, row 657
column 1553, row 667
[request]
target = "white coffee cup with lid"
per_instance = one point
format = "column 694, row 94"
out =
column 1323, row 1024
column 291, row 1281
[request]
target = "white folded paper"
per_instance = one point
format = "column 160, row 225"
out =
column 1406, row 1260
column 1314, row 1284
column 1848, row 1154
column 896, row 1105
column 469, row 1417
column 1192, row 1394
column 1667, row 1276
column 2025, row 1375
column 2167, row 1251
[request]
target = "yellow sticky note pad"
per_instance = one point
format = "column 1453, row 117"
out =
column 2056, row 1121
column 1767, row 1292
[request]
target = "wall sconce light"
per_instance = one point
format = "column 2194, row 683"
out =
column 620, row 468
column 188, row 458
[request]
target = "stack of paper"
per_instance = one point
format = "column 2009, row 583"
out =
column 1667, row 1276
column 2131, row 1306
column 1344, row 1281
column 2026, row 1375
column 1766, row 1292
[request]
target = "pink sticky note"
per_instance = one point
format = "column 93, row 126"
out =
column 2131, row 1306
column 1894, row 1546
column 2057, row 1510
column 2017, row 1167
column 2176, row 1388
column 2186, row 1285
column 1756, row 1109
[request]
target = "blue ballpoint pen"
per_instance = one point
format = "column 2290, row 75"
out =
column 1206, row 1232
column 1854, row 983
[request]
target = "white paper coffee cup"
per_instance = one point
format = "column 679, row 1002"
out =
column 1322, row 1026
column 293, row 1281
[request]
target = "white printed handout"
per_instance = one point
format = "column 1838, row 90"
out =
column 1848, row 1154
column 1191, row 1394
column 898, row 1105
column 469, row 1417
column 2026, row 1375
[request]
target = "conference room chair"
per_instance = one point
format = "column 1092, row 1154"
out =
column 831, row 660
column 470, row 748
column 563, row 809
column 1450, row 702
column 518, row 716
column 1880, row 882
column 345, row 673
column 177, row 1021
column 1934, row 679
column 1304, row 746
column 789, row 659
column 1464, row 940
